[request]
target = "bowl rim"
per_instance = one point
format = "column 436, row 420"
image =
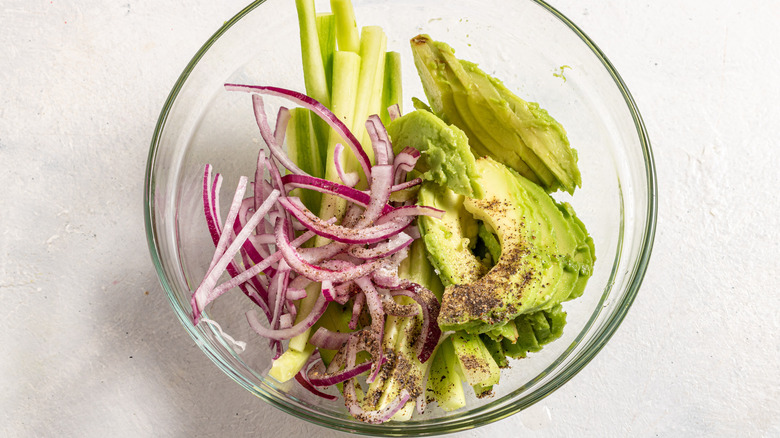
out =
column 600, row 339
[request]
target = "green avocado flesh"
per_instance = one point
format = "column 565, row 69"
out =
column 546, row 255
column 498, row 124
column 445, row 159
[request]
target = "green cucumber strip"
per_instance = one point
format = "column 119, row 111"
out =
column 375, row 99
column 290, row 363
column 346, row 67
column 314, row 74
column 346, row 26
column 372, row 41
column 301, row 149
column 313, row 67
column 392, row 90
column 326, row 31
column 300, row 342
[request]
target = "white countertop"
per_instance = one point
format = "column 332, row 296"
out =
column 90, row 346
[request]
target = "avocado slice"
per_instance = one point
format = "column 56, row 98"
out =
column 436, row 79
column 498, row 123
column 445, row 384
column 448, row 240
column 534, row 331
column 445, row 159
column 544, row 250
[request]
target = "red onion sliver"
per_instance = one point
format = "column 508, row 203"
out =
column 406, row 185
column 327, row 290
column 340, row 233
column 247, row 275
column 317, row 108
column 383, row 149
column 309, row 387
column 381, row 183
column 410, row 210
column 383, row 249
column 316, row 312
column 329, row 379
column 328, row 339
column 349, row 179
column 430, row 331
column 204, row 294
column 269, row 137
column 376, row 309
column 394, row 111
column 316, row 273
column 324, row 186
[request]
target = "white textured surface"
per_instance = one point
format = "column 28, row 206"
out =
column 91, row 347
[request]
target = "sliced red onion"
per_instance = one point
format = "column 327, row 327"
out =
column 208, row 203
column 317, row 108
column 406, row 185
column 327, row 290
column 296, row 294
column 383, row 249
column 281, row 279
column 349, row 179
column 413, row 232
column 430, row 331
column 285, row 321
column 331, row 188
column 313, row 272
column 316, row 312
column 282, row 119
column 269, row 137
column 329, row 379
column 410, row 210
column 309, row 387
column 383, row 149
column 394, row 111
column 404, row 162
column 328, row 339
column 357, row 309
column 340, row 233
column 224, row 238
column 204, row 294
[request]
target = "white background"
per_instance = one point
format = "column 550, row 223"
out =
column 90, row 346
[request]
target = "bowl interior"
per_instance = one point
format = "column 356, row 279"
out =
column 536, row 52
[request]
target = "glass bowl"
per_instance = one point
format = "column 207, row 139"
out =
column 536, row 51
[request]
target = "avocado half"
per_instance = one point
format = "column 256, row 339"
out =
column 498, row 123
column 546, row 255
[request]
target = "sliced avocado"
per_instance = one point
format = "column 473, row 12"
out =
column 535, row 270
column 435, row 76
column 506, row 331
column 585, row 256
column 526, row 340
column 476, row 362
column 496, row 351
column 446, row 158
column 448, row 240
column 543, row 134
column 491, row 242
column 445, row 384
column 498, row 123
column 475, row 96
column 535, row 330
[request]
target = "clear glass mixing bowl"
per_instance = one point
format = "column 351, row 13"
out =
column 536, row 51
